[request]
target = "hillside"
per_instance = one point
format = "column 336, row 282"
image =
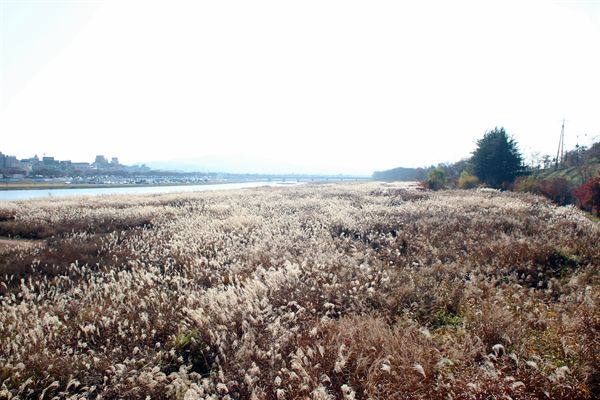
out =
column 574, row 175
column 338, row 291
column 400, row 174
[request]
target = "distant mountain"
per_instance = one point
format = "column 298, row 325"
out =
column 400, row 174
column 239, row 164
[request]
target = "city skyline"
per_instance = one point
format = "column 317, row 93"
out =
column 18, row 168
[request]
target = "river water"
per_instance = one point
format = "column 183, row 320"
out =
column 8, row 195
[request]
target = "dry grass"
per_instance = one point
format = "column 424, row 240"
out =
column 322, row 292
column 8, row 244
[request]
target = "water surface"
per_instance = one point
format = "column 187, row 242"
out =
column 7, row 195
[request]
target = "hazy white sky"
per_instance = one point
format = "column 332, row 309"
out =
column 348, row 86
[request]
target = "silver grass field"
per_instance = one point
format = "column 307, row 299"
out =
column 324, row 291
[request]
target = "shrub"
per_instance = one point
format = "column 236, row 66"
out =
column 436, row 179
column 557, row 190
column 527, row 184
column 588, row 195
column 446, row 318
column 467, row 181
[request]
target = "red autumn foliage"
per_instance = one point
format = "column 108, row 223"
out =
column 557, row 190
column 588, row 195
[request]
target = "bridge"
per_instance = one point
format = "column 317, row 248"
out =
column 314, row 178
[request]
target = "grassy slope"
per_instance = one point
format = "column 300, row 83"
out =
column 333, row 291
column 574, row 175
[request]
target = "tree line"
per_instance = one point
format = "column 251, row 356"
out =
column 498, row 163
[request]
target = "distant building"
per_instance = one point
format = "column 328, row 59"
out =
column 137, row 168
column 29, row 164
column 26, row 166
column 12, row 168
column 65, row 165
column 50, row 162
column 9, row 161
column 101, row 160
column 80, row 166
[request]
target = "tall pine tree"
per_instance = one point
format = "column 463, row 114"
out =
column 497, row 160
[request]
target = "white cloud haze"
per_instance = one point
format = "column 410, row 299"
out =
column 345, row 86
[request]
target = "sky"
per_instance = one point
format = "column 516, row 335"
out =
column 332, row 86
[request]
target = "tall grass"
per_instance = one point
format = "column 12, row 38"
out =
column 326, row 291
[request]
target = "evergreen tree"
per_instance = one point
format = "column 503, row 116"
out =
column 497, row 160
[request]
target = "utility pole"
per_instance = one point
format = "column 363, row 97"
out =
column 577, row 151
column 561, row 144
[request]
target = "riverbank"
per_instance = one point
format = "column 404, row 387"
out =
column 39, row 192
column 46, row 185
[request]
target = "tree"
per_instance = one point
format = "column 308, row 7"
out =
column 546, row 161
column 454, row 170
column 527, row 184
column 592, row 155
column 467, row 181
column 497, row 160
column 436, row 179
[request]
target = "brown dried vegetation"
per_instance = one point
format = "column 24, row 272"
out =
column 321, row 291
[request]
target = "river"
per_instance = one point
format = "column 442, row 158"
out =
column 12, row 195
